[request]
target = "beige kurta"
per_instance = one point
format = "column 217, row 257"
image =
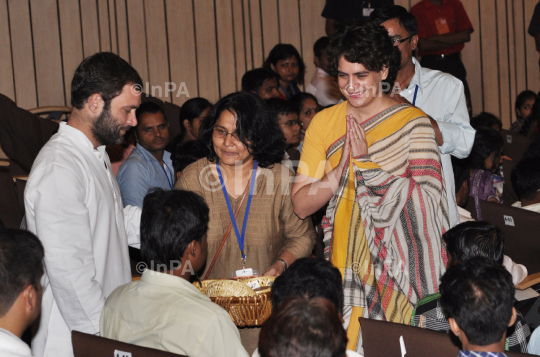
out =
column 272, row 226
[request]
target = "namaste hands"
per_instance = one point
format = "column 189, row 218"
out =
column 355, row 140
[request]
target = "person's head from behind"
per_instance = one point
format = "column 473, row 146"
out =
column 173, row 228
column 261, row 81
column 106, row 91
column 307, row 106
column 365, row 61
column 152, row 130
column 474, row 239
column 486, row 120
column 21, row 268
column 461, row 181
column 310, row 278
column 486, row 153
column 285, row 60
column 192, row 113
column 525, row 179
column 402, row 28
column 286, row 117
column 303, row 327
column 524, row 104
column 477, row 298
column 319, row 53
column 239, row 129
column 186, row 153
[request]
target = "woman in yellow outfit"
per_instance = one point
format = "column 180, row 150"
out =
column 375, row 160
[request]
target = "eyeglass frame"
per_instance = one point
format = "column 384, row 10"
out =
column 234, row 134
column 398, row 41
column 296, row 122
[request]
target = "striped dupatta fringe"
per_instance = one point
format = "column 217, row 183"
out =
column 383, row 227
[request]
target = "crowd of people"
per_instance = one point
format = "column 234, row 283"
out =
column 353, row 194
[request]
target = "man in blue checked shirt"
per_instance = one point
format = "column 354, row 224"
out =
column 149, row 164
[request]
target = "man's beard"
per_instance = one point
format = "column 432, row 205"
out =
column 105, row 129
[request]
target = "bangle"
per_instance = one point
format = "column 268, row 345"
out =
column 283, row 261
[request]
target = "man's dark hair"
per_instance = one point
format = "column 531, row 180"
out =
column 461, row 172
column 254, row 126
column 148, row 107
column 526, row 178
column 486, row 142
column 284, row 51
column 303, row 327
column 278, row 106
column 475, row 239
column 390, row 12
column 486, row 120
column 104, row 73
column 186, row 153
column 309, row 277
column 21, row 264
column 254, row 79
column 170, row 220
column 368, row 44
column 320, row 45
column 478, row 294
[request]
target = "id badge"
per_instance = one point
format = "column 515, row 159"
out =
column 367, row 11
column 442, row 26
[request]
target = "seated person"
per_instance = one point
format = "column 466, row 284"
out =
column 303, row 327
column 262, row 82
column 21, row 268
column 486, row 120
column 477, row 298
column 186, row 153
column 323, row 86
column 461, row 182
column 484, row 161
column 463, row 242
column 192, row 113
column 526, row 183
column 287, row 118
column 524, row 103
column 149, row 164
column 285, row 60
column 163, row 310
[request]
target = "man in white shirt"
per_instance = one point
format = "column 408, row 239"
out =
column 21, row 268
column 438, row 94
column 163, row 310
column 73, row 204
column 323, row 86
column 526, row 184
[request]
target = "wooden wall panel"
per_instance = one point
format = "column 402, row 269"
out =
column 205, row 36
column 269, row 9
column 239, row 40
column 104, row 26
column 312, row 24
column 511, row 56
column 137, row 39
column 289, row 23
column 122, row 30
column 47, row 53
column 23, row 53
column 182, row 49
column 256, row 33
column 226, row 51
column 247, row 36
column 472, row 56
column 71, row 37
column 489, row 56
column 533, row 70
column 505, row 100
column 519, row 39
column 90, row 27
column 7, row 86
column 113, row 29
column 404, row 3
column 157, row 49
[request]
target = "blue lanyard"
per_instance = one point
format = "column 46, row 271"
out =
column 415, row 93
column 167, row 171
column 239, row 237
column 285, row 91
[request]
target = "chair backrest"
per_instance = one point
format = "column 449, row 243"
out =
column 54, row 113
column 514, row 144
column 509, row 196
column 521, row 230
column 381, row 339
column 85, row 345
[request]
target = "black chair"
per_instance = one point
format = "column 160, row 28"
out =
column 515, row 144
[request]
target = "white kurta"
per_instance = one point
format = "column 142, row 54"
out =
column 12, row 346
column 73, row 204
column 441, row 96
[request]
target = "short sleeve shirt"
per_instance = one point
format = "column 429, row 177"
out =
column 341, row 10
column 434, row 20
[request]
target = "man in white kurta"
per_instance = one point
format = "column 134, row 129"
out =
column 73, row 204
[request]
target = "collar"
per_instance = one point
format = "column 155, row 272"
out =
column 149, row 157
column 168, row 280
column 481, row 354
column 322, row 72
column 11, row 343
column 463, row 212
column 80, row 138
column 534, row 207
column 429, row 4
column 417, row 78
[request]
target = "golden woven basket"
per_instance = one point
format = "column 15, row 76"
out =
column 252, row 309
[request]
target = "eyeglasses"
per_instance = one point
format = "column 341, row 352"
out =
column 293, row 123
column 397, row 41
column 221, row 133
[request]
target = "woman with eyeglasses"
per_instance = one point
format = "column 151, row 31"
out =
column 377, row 163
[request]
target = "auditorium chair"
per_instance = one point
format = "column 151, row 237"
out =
column 514, row 144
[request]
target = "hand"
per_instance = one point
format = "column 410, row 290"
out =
column 438, row 134
column 359, row 146
column 275, row 269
